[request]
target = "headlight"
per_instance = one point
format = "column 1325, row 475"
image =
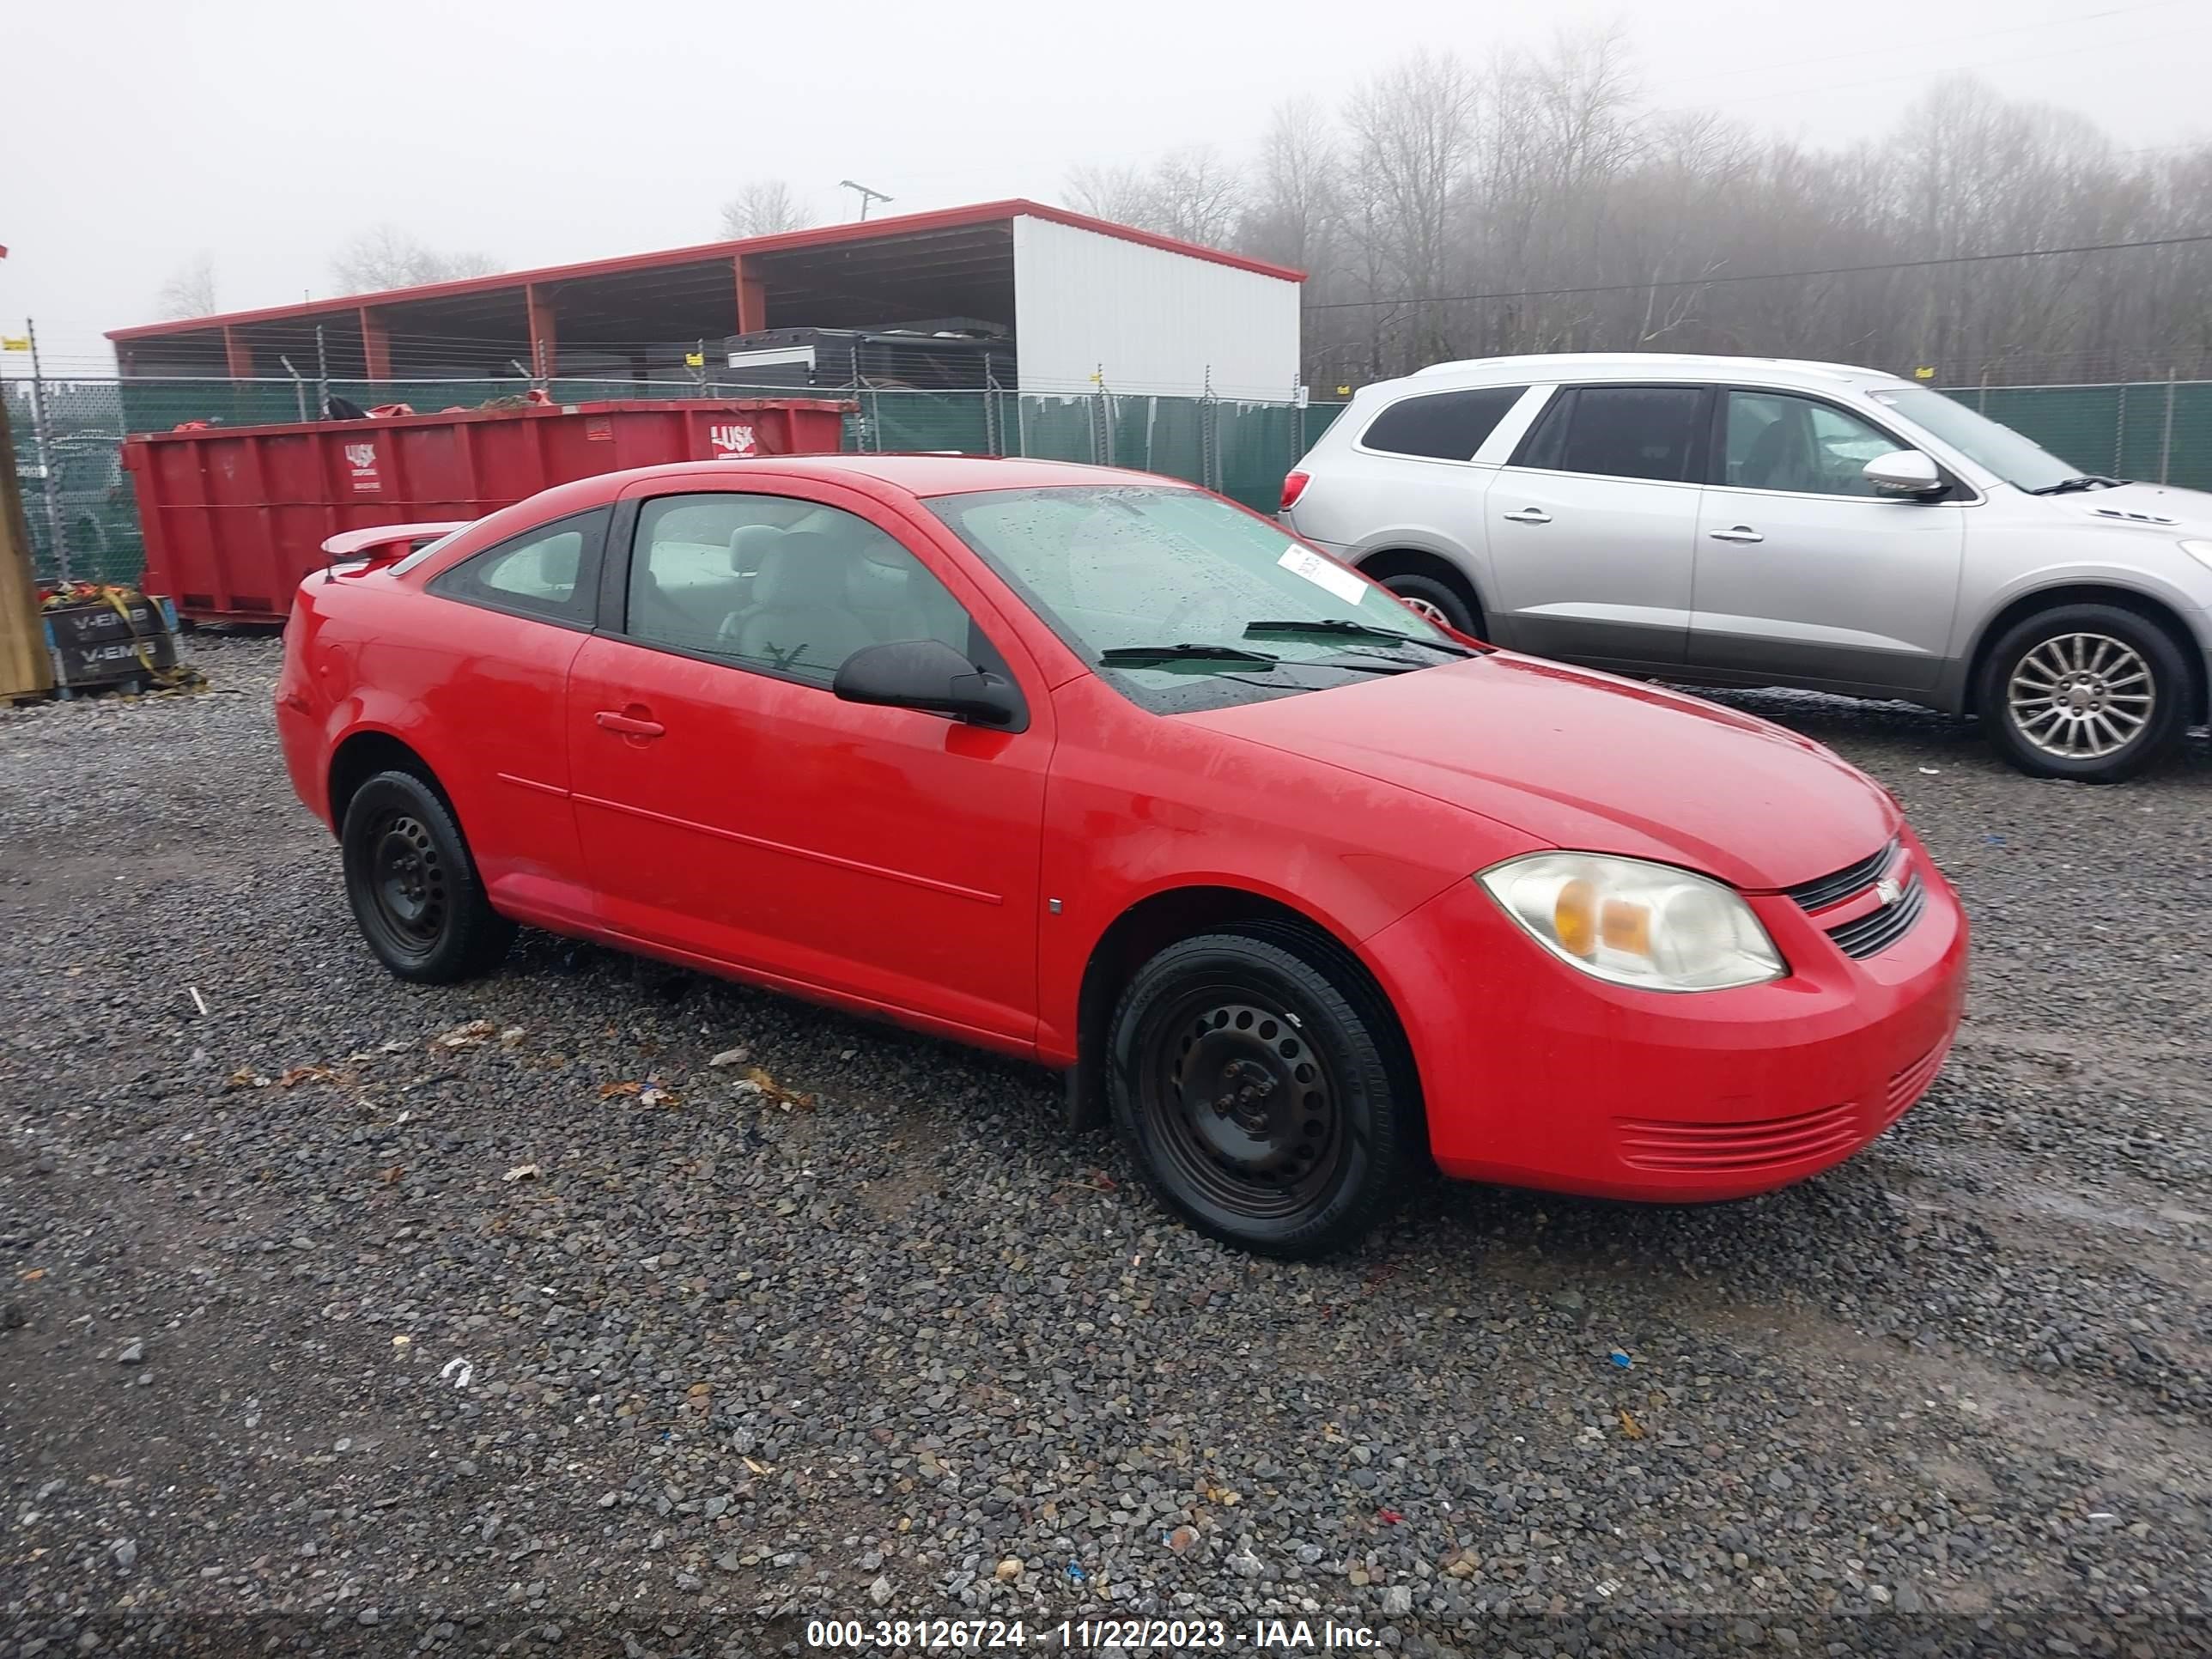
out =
column 1634, row 923
column 2200, row 551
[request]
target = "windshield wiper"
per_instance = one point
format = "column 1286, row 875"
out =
column 2087, row 481
column 1135, row 656
column 1363, row 630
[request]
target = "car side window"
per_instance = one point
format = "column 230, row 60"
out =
column 1620, row 432
column 1776, row 442
column 1445, row 425
column 551, row 572
column 786, row 587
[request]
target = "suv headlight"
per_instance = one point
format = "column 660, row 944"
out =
column 1634, row 923
column 2200, row 551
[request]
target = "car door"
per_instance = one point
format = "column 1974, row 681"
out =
column 1803, row 572
column 734, row 812
column 490, row 671
column 1406, row 481
column 1593, row 525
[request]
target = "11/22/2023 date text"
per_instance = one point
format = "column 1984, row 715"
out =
column 1086, row 1635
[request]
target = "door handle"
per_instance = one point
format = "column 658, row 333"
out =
column 1530, row 515
column 1742, row 532
column 628, row 725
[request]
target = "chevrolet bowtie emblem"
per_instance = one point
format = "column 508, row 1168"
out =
column 1889, row 890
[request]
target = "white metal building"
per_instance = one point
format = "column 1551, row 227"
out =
column 1078, row 298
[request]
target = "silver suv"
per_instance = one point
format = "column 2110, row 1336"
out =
column 1746, row 521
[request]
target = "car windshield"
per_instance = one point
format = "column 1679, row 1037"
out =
column 1184, row 601
column 2019, row 461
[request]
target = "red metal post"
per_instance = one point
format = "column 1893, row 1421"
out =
column 752, row 298
column 375, row 347
column 238, row 355
column 542, row 337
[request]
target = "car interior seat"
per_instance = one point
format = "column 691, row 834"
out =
column 883, row 589
column 750, row 543
column 1780, row 456
column 654, row 616
column 802, row 619
column 558, row 561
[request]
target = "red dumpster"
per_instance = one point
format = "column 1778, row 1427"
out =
column 233, row 516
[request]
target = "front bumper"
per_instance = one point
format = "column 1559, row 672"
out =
column 1537, row 1075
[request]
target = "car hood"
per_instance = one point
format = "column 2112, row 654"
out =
column 1585, row 760
column 2176, row 513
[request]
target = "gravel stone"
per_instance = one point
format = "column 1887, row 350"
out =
column 897, row 1337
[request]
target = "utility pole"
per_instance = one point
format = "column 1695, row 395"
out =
column 866, row 195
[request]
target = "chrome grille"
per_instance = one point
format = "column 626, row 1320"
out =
column 1825, row 891
column 1878, row 929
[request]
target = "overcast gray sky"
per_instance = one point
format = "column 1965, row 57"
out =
column 266, row 132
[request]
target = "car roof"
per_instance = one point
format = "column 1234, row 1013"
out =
column 919, row 474
column 1546, row 367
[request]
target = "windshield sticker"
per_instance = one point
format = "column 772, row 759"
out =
column 1322, row 573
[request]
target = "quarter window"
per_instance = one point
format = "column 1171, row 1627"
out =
column 1776, row 442
column 551, row 572
column 791, row 588
column 1445, row 426
column 1621, row 432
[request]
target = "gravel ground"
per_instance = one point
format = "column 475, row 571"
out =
column 318, row 1334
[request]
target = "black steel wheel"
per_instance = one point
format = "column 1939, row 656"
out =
column 1260, row 1081
column 412, row 885
column 2091, row 692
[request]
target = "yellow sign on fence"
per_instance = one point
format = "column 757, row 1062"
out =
column 695, row 359
column 15, row 342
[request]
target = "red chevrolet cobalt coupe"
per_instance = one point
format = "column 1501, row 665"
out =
column 1104, row 771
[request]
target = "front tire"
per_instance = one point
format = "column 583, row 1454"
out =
column 1259, row 1080
column 2091, row 692
column 413, row 886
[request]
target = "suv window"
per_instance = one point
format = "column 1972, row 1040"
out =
column 551, row 572
column 1621, row 432
column 790, row 587
column 1776, row 442
column 1445, row 425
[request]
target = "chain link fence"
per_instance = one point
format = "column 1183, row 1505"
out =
column 84, row 520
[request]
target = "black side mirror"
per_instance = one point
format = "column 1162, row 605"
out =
column 929, row 675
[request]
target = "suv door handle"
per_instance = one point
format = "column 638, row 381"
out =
column 628, row 725
column 1530, row 515
column 1742, row 532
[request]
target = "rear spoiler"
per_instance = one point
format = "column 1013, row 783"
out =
column 386, row 543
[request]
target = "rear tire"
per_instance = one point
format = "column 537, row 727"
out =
column 1438, row 600
column 1261, row 1083
column 413, row 886
column 2091, row 692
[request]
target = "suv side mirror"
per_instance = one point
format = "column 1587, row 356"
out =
column 931, row 675
column 1904, row 472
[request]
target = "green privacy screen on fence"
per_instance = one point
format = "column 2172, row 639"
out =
column 2153, row 429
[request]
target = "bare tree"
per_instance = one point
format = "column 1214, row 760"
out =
column 1123, row 194
column 1536, row 203
column 764, row 208
column 386, row 257
column 1413, row 131
column 190, row 289
column 1196, row 196
column 1289, row 213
